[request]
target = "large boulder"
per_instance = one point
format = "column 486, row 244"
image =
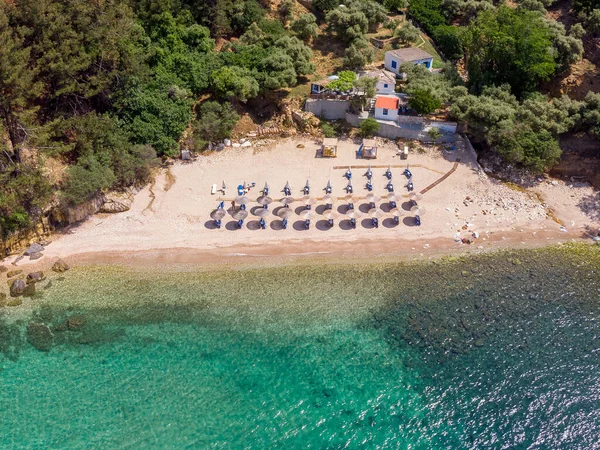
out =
column 40, row 336
column 60, row 266
column 17, row 288
column 36, row 255
column 33, row 248
column 117, row 202
column 14, row 273
column 34, row 277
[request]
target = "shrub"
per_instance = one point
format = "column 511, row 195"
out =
column 369, row 127
column 328, row 130
column 305, row 27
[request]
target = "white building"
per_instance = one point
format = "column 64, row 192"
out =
column 386, row 107
column 386, row 81
column 395, row 58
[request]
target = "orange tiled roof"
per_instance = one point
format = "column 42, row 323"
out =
column 386, row 102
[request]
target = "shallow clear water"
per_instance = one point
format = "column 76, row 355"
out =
column 488, row 352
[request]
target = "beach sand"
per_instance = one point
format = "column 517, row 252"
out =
column 169, row 220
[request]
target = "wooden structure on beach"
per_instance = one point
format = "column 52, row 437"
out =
column 368, row 149
column 329, row 148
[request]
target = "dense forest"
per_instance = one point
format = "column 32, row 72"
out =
column 95, row 92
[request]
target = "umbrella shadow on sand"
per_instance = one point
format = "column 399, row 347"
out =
column 320, row 209
column 210, row 225
column 406, row 206
column 364, row 207
column 409, row 222
column 342, row 209
column 276, row 225
column 231, row 225
column 253, row 225
column 323, row 225
column 389, row 223
column 346, row 225
column 366, row 223
column 299, row 225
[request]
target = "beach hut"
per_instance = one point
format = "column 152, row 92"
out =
column 368, row 149
column 329, row 148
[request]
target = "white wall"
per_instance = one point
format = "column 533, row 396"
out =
column 382, row 89
column 327, row 108
column 391, row 115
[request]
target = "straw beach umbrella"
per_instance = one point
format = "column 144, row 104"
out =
column 264, row 200
column 372, row 198
column 285, row 213
column 305, row 214
column 242, row 200
column 375, row 213
column 417, row 211
column 239, row 214
column 287, row 200
column 415, row 196
column 261, row 212
column 218, row 214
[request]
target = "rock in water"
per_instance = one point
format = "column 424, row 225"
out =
column 17, row 288
column 60, row 266
column 40, row 336
column 29, row 290
column 75, row 322
column 33, row 248
column 3, row 300
column 14, row 302
column 13, row 273
column 34, row 277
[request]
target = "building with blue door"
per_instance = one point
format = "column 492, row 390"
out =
column 395, row 58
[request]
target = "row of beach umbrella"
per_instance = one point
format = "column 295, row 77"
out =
column 240, row 214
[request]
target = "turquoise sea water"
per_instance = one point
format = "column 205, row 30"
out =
column 496, row 351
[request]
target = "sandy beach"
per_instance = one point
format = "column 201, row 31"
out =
column 169, row 220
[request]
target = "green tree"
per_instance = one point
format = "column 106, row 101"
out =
column 423, row 101
column 344, row 82
column 509, row 46
column 407, row 34
column 234, row 82
column 519, row 143
column 277, row 70
column 17, row 86
column 585, row 6
column 449, row 40
column 86, row 179
column 592, row 22
column 215, row 122
column 300, row 54
column 347, row 24
column 367, row 85
column 373, row 11
column 369, row 127
column 286, row 9
column 359, row 54
column 305, row 27
column 325, row 5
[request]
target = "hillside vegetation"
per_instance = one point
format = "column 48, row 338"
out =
column 103, row 89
